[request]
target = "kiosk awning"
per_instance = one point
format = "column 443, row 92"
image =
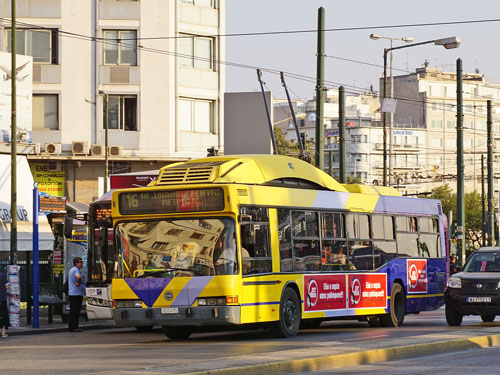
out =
column 24, row 209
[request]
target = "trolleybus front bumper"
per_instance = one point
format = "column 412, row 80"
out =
column 178, row 316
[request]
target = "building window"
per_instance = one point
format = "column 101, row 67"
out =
column 122, row 112
column 196, row 115
column 45, row 112
column 451, row 124
column 195, row 52
column 120, row 47
column 40, row 44
column 451, row 142
column 437, row 142
column 200, row 3
column 436, row 124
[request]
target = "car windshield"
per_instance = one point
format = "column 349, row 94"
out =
column 172, row 247
column 483, row 262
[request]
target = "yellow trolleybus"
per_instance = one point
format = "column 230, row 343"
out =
column 272, row 240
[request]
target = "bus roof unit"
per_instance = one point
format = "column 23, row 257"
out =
column 247, row 169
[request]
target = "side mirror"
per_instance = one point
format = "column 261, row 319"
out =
column 68, row 226
column 455, row 269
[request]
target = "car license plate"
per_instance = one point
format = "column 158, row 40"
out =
column 169, row 310
column 478, row 299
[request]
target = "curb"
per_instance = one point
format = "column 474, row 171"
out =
column 357, row 358
column 40, row 331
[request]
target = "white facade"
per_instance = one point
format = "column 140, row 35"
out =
column 156, row 64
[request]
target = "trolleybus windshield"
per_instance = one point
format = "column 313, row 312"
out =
column 176, row 247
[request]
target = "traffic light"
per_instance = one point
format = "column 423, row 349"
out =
column 212, row 151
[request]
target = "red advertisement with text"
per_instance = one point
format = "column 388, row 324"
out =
column 324, row 292
column 416, row 270
column 367, row 290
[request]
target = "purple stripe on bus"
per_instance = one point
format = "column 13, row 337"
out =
column 329, row 199
column 148, row 290
column 260, row 303
column 195, row 286
column 405, row 205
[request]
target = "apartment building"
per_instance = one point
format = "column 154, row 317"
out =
column 145, row 75
column 427, row 100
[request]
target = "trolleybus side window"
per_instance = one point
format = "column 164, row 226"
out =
column 360, row 245
column 305, row 241
column 384, row 245
column 429, row 246
column 407, row 236
column 333, row 243
column 255, row 244
column 285, row 240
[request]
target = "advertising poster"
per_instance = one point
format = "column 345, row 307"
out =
column 416, row 270
column 324, row 292
column 49, row 182
column 14, row 295
column 367, row 291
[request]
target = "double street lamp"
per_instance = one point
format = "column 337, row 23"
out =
column 406, row 39
column 448, row 43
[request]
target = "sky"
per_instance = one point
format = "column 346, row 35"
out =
column 296, row 53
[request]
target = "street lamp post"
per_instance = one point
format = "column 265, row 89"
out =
column 406, row 39
column 106, row 126
column 448, row 43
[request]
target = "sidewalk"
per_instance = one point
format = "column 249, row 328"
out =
column 56, row 326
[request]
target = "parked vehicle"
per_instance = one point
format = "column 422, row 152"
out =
column 476, row 289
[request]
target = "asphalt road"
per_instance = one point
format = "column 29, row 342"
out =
column 128, row 351
column 474, row 361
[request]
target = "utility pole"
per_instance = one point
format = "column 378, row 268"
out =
column 342, row 150
column 483, row 205
column 460, row 168
column 13, row 141
column 320, row 99
column 491, row 219
column 384, row 119
column 106, row 146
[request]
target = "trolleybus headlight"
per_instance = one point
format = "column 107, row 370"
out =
column 454, row 282
column 128, row 303
column 138, row 303
column 218, row 301
column 498, row 285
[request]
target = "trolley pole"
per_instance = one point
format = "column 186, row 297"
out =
column 491, row 219
column 460, row 168
column 320, row 99
column 342, row 150
column 13, row 141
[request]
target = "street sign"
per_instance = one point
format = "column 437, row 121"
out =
column 49, row 203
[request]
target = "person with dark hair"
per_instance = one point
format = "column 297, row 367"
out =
column 4, row 313
column 76, row 291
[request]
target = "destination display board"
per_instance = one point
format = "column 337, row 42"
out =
column 50, row 203
column 101, row 214
column 168, row 201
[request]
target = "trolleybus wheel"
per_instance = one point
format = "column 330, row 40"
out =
column 397, row 312
column 290, row 312
column 487, row 318
column 453, row 317
column 144, row 328
column 177, row 332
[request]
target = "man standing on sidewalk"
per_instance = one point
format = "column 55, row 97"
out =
column 76, row 291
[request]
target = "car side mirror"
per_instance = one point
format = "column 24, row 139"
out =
column 68, row 227
column 455, row 269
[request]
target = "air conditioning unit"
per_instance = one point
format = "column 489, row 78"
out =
column 53, row 148
column 115, row 150
column 81, row 148
column 54, row 165
column 97, row 150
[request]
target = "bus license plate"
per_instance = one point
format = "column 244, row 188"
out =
column 169, row 310
column 478, row 299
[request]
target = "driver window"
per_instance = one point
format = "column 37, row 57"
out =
column 255, row 245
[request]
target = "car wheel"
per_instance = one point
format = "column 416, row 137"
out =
column 397, row 312
column 177, row 332
column 453, row 317
column 289, row 318
column 488, row 318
